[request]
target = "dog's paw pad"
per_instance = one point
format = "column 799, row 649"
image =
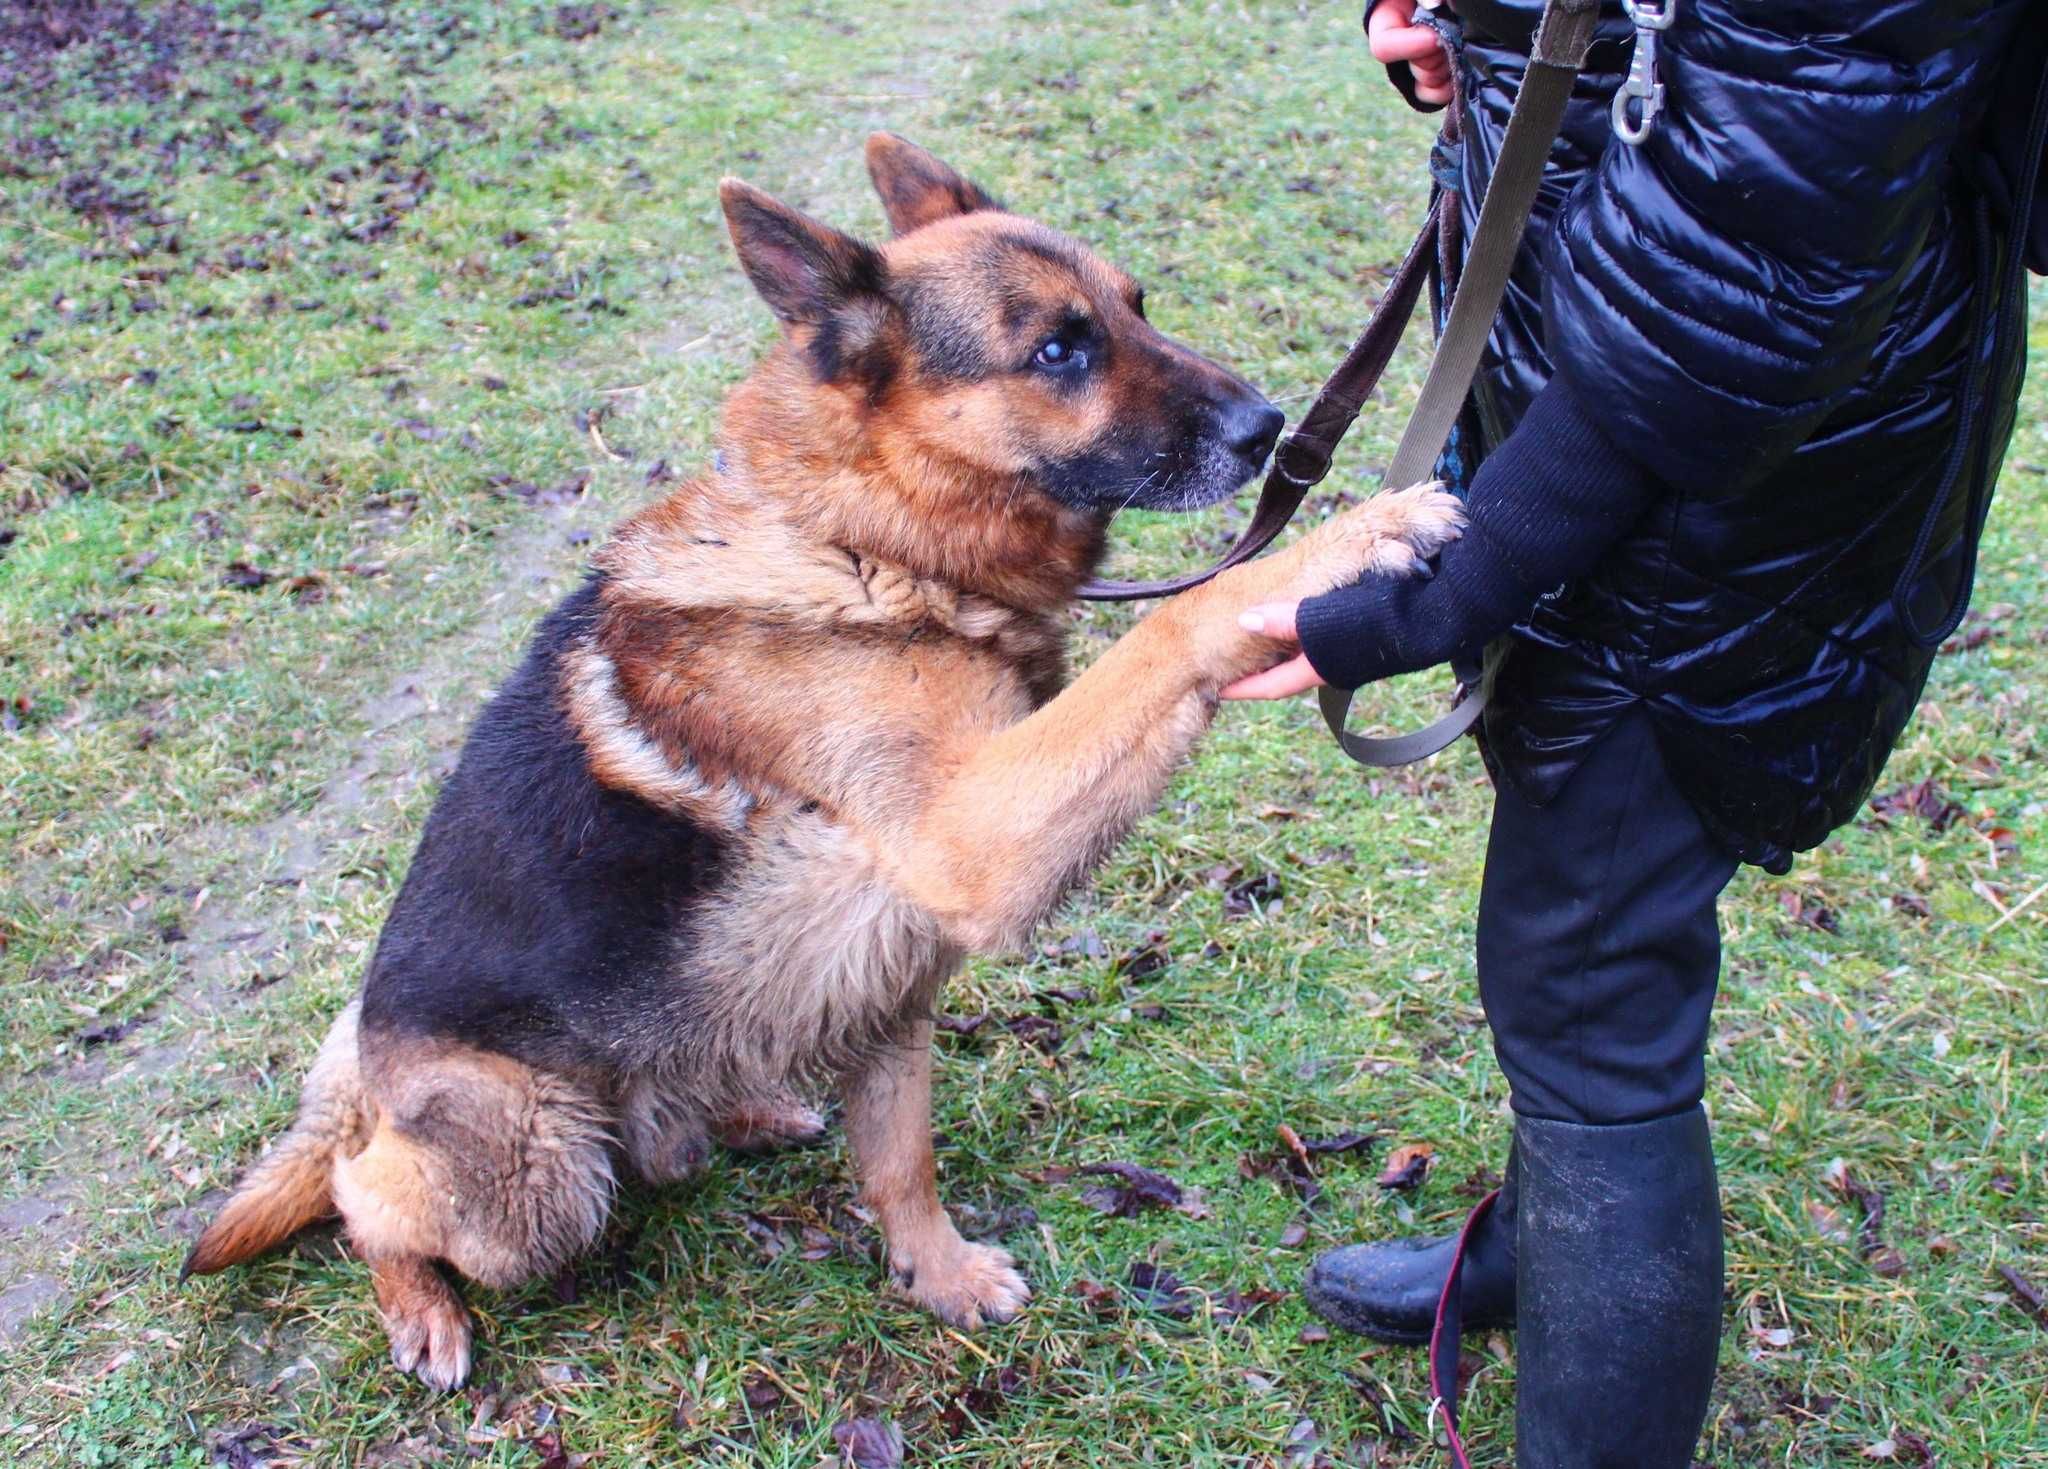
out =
column 671, row 1152
column 978, row 1286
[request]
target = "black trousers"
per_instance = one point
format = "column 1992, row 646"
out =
column 1599, row 948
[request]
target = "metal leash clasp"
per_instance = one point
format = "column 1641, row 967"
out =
column 1648, row 17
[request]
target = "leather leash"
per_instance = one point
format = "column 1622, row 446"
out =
column 1302, row 460
column 1562, row 37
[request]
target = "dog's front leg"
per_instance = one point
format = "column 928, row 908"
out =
column 1016, row 818
column 889, row 1120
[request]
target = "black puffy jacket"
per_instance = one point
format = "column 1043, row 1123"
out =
column 1778, row 304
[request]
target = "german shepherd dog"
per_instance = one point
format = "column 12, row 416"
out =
column 801, row 741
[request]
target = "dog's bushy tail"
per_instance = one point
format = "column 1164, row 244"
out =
column 291, row 1186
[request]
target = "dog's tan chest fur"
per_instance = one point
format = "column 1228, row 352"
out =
column 803, row 701
column 807, row 960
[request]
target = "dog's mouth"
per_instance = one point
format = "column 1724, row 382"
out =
column 1208, row 467
column 1213, row 475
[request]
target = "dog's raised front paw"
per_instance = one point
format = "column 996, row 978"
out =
column 1392, row 534
column 1424, row 517
column 966, row 1286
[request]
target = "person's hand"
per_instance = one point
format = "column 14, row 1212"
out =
column 1276, row 621
column 1393, row 36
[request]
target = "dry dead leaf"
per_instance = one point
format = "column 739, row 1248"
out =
column 1137, row 1189
column 869, row 1443
column 1828, row 1222
column 1407, row 1166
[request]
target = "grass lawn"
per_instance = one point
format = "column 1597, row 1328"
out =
column 334, row 336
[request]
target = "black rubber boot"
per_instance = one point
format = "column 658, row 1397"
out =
column 1388, row 1290
column 1619, row 1292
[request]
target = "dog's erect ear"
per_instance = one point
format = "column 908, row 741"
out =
column 915, row 187
column 807, row 272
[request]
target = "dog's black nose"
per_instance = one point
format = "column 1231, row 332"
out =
column 1252, row 427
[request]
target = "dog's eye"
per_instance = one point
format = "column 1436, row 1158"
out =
column 1059, row 353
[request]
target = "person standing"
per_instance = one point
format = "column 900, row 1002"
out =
column 1735, row 436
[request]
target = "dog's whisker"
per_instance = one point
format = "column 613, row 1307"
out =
column 1136, row 490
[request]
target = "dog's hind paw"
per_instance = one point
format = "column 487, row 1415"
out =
column 972, row 1286
column 783, row 1121
column 436, row 1350
column 425, row 1320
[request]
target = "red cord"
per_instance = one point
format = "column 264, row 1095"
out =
column 1449, row 1314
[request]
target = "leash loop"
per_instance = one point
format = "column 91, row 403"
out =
column 1417, row 744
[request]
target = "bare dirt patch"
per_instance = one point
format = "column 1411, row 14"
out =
column 112, row 48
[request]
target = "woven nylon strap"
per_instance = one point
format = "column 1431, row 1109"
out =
column 1562, row 37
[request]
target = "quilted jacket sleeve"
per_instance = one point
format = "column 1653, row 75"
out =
column 1712, row 293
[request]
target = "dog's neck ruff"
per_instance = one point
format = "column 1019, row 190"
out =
column 691, row 574
column 842, row 472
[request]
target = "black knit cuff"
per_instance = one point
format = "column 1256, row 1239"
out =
column 1352, row 634
column 1544, row 505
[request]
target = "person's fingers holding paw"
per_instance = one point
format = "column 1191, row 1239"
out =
column 1275, row 620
